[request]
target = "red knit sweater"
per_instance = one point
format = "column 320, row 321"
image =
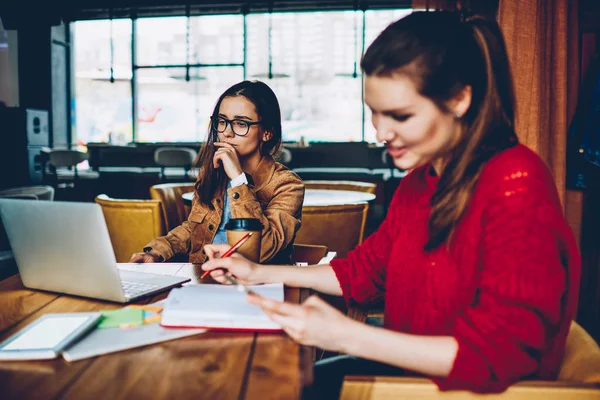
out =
column 506, row 289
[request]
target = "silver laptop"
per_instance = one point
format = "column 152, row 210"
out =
column 65, row 247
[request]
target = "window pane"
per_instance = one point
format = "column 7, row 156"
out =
column 217, row 39
column 313, row 57
column 161, row 41
column 102, row 108
column 171, row 109
column 375, row 22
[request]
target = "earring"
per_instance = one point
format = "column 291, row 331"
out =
column 458, row 115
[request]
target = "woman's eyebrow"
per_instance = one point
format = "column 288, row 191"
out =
column 396, row 111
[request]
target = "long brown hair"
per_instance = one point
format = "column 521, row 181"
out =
column 443, row 54
column 211, row 179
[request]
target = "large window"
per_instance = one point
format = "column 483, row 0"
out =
column 157, row 79
column 102, row 81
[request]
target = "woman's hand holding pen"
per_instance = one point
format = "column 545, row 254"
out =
column 312, row 323
column 245, row 271
column 227, row 156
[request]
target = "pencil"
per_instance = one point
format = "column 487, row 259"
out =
column 232, row 250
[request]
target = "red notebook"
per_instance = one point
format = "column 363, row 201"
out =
column 221, row 307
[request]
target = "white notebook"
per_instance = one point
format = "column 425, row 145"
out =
column 219, row 307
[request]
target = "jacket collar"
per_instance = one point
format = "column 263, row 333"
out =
column 264, row 172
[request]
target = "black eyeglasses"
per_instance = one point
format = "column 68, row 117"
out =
column 239, row 126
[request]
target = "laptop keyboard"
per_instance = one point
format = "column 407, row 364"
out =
column 134, row 289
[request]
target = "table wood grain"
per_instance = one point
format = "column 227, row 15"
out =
column 213, row 365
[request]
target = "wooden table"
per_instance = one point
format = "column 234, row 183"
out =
column 213, row 365
column 318, row 197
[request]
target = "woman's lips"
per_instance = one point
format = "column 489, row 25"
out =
column 396, row 152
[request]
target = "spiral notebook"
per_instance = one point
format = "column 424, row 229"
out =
column 220, row 307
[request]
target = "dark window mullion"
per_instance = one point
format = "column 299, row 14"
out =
column 134, row 132
column 362, row 80
column 69, row 83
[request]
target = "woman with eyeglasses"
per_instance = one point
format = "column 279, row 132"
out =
column 238, row 178
column 475, row 260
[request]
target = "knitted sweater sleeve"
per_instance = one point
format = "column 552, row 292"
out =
column 523, row 280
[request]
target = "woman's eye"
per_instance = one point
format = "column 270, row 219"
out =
column 222, row 122
column 240, row 124
column 401, row 118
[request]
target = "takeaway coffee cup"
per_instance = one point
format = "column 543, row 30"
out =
column 236, row 229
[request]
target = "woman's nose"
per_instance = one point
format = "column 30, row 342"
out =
column 229, row 131
column 383, row 132
column 381, row 136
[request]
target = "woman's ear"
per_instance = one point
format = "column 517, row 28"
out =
column 462, row 101
column 267, row 135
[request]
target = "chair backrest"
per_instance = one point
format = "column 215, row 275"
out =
column 392, row 388
column 284, row 156
column 41, row 192
column 175, row 157
column 169, row 195
column 308, row 253
column 355, row 186
column 131, row 224
column 581, row 361
column 66, row 158
column 339, row 227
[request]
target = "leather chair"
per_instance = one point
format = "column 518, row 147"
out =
column 578, row 377
column 339, row 227
column 173, row 157
column 131, row 224
column 174, row 209
column 355, row 186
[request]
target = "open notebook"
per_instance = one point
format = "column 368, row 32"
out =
column 219, row 307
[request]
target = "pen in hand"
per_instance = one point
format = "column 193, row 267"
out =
column 231, row 250
column 242, row 288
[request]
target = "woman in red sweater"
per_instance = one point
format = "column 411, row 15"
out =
column 477, row 265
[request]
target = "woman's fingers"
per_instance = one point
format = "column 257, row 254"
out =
column 286, row 321
column 212, row 250
column 283, row 309
column 291, row 317
column 220, row 154
column 254, row 298
column 136, row 258
column 142, row 258
column 275, row 307
column 219, row 276
column 217, row 263
column 223, row 145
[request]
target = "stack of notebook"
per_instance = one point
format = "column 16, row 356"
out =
column 220, row 307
